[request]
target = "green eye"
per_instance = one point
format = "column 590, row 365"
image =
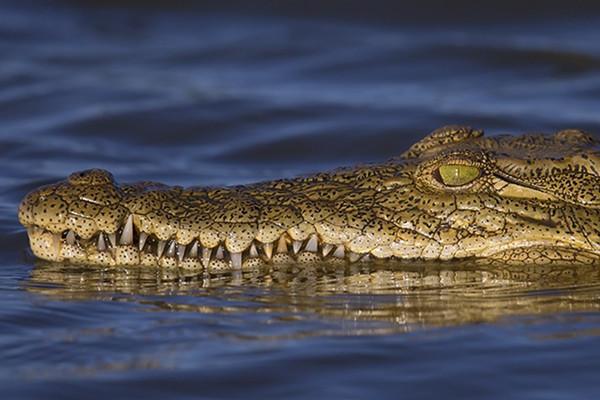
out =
column 458, row 175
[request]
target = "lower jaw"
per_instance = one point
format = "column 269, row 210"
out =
column 542, row 255
column 52, row 247
column 131, row 256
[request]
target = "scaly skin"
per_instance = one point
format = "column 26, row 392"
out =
column 455, row 195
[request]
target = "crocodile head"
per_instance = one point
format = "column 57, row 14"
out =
column 455, row 195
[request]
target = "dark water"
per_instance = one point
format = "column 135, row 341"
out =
column 195, row 96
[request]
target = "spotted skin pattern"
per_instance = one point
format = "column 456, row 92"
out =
column 531, row 199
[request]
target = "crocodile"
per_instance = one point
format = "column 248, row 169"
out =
column 456, row 195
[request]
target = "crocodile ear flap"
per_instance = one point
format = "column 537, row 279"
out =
column 450, row 134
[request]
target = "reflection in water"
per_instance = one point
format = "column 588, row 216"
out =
column 374, row 299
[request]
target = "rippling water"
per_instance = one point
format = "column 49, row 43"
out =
column 234, row 95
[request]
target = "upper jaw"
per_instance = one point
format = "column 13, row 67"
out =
column 130, row 246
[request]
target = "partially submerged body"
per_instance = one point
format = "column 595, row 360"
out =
column 455, row 195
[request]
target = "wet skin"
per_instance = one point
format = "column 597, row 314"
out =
column 455, row 195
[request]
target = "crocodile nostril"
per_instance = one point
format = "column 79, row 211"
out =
column 91, row 177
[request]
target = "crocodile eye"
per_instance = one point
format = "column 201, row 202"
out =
column 458, row 175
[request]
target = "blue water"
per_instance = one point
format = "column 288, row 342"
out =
column 219, row 95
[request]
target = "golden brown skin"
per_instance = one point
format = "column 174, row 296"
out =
column 455, row 195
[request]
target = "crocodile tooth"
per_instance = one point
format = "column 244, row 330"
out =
column 101, row 242
column 112, row 238
column 313, row 243
column 160, row 247
column 268, row 248
column 180, row 252
column 236, row 260
column 253, row 251
column 127, row 234
column 326, row 249
column 353, row 257
column 193, row 250
column 339, row 251
column 282, row 245
column 171, row 249
column 56, row 243
column 143, row 237
column 296, row 245
column 219, row 254
column 71, row 237
column 206, row 256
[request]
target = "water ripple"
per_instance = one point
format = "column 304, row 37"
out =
column 196, row 95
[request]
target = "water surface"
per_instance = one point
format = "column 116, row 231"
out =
column 220, row 96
